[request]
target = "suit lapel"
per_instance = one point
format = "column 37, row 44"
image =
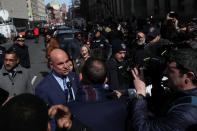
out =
column 57, row 88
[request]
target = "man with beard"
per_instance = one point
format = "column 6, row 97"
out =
column 137, row 51
column 14, row 78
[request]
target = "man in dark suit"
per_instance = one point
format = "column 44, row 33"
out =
column 93, row 106
column 59, row 87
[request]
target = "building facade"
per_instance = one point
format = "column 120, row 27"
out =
column 23, row 12
column 38, row 10
column 18, row 11
column 101, row 9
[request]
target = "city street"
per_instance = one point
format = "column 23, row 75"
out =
column 38, row 61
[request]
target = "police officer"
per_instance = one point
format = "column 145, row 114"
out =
column 100, row 46
column 22, row 51
column 118, row 77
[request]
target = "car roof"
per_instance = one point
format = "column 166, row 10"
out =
column 72, row 31
column 63, row 27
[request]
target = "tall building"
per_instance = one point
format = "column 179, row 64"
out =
column 57, row 13
column 38, row 10
column 101, row 9
column 18, row 11
column 22, row 12
column 29, row 8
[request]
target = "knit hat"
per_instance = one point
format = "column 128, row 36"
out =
column 118, row 45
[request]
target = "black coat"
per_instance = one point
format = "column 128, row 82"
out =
column 94, row 109
column 118, row 76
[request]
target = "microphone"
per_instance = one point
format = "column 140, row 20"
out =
column 69, row 84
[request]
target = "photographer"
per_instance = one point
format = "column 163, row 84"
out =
column 179, row 112
column 118, row 76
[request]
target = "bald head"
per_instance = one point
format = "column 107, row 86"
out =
column 59, row 61
column 56, row 53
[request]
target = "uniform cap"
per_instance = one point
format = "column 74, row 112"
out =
column 20, row 38
column 118, row 45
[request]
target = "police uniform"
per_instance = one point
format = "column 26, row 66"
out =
column 22, row 52
column 118, row 77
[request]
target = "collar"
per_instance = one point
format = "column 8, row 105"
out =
column 59, row 76
column 17, row 69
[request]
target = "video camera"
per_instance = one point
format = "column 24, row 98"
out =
column 152, row 68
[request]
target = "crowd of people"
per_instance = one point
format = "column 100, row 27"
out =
column 100, row 82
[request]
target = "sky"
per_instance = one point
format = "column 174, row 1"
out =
column 68, row 2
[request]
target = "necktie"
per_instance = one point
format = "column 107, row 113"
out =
column 69, row 86
column 68, row 90
column 65, row 89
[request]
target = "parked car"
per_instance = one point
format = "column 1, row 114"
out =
column 62, row 28
column 66, row 38
column 29, row 34
column 8, row 30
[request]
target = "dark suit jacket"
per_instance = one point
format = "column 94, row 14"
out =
column 102, row 114
column 50, row 91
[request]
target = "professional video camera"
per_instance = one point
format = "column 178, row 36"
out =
column 152, row 68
